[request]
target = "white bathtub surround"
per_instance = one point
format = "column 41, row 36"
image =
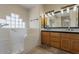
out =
column 12, row 40
column 17, row 39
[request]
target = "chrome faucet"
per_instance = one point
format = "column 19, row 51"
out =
column 69, row 29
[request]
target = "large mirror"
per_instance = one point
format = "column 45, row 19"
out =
column 65, row 19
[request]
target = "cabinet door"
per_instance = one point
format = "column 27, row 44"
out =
column 65, row 44
column 55, row 39
column 75, row 45
column 55, row 44
column 45, row 38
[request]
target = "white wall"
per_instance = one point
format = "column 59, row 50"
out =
column 33, row 38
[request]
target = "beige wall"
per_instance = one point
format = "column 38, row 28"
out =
column 55, row 7
column 7, row 9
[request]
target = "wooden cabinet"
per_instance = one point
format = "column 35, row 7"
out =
column 55, row 39
column 45, row 38
column 70, row 42
column 65, row 41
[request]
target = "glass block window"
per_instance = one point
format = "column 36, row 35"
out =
column 14, row 21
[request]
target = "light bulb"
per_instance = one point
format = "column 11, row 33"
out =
column 68, row 10
column 49, row 15
column 62, row 11
column 75, row 8
column 46, row 15
column 53, row 13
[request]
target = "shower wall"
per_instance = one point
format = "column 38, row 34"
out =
column 17, row 37
column 5, row 44
column 12, row 40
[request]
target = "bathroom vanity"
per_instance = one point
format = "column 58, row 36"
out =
column 61, row 30
column 68, row 41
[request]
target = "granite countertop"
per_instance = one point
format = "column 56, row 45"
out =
column 61, row 31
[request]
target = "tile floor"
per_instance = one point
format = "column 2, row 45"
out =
column 46, row 50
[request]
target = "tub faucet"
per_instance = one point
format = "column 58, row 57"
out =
column 1, row 25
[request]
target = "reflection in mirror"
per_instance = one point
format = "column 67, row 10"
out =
column 67, row 18
column 74, row 17
column 70, row 19
column 54, row 20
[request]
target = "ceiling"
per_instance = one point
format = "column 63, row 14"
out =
column 29, row 6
